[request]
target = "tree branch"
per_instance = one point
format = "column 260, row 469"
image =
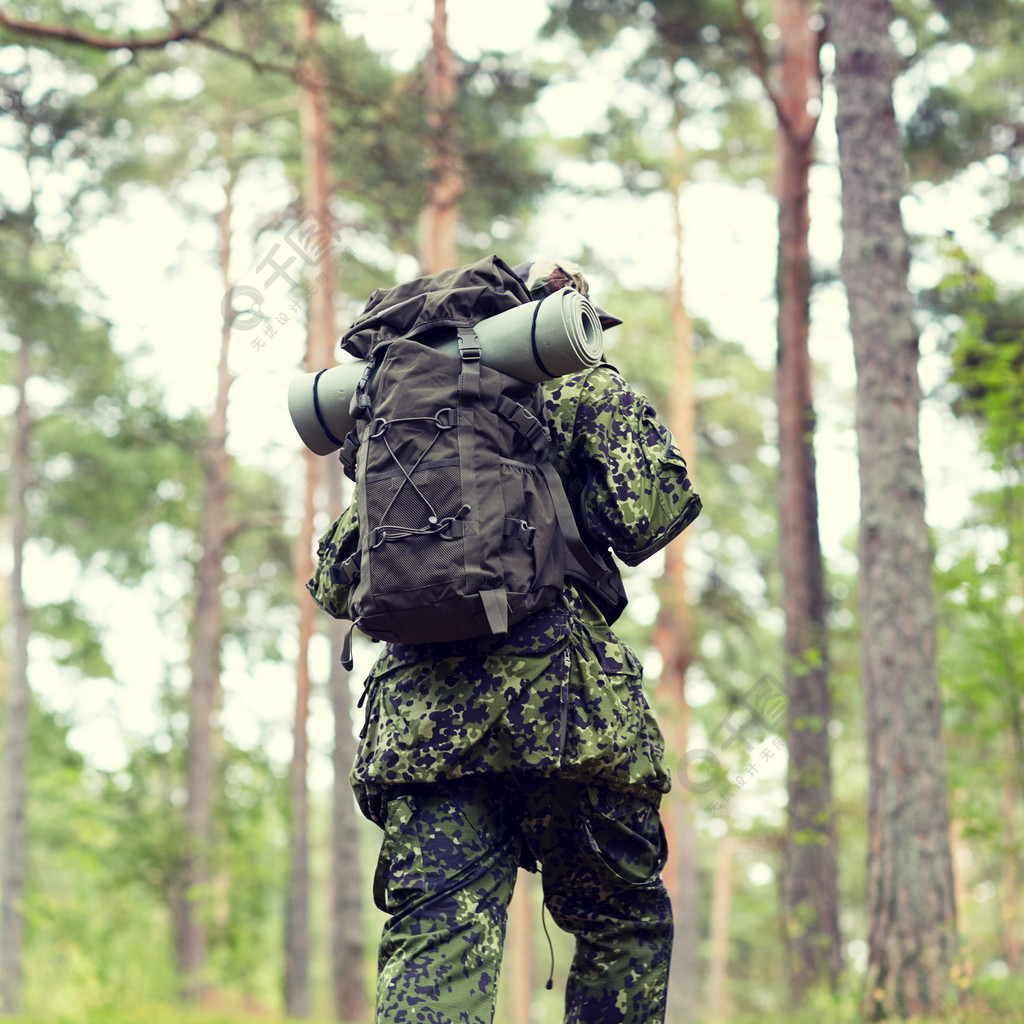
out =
column 66, row 34
column 759, row 63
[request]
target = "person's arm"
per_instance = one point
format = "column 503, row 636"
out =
column 636, row 494
column 339, row 543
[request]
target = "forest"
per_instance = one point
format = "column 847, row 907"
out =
column 810, row 218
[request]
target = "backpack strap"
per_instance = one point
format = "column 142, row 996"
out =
column 590, row 563
column 585, row 567
column 529, row 427
column 495, row 604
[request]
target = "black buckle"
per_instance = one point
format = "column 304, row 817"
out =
column 469, row 344
column 522, row 530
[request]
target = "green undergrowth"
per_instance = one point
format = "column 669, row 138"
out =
column 157, row 1014
column 990, row 1002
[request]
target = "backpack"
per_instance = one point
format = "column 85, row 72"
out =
column 464, row 525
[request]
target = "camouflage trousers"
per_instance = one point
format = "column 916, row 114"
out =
column 446, row 872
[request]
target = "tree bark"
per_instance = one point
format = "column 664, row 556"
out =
column 13, row 851
column 809, row 870
column 296, row 976
column 313, row 126
column 444, row 166
column 722, row 888
column 673, row 639
column 1010, row 923
column 207, row 629
column 346, row 877
column 521, row 938
column 912, row 914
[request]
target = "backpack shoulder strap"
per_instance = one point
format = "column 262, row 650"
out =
column 603, row 581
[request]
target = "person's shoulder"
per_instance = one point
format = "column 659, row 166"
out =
column 587, row 385
column 597, row 390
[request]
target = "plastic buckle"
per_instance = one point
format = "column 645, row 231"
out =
column 469, row 344
column 523, row 531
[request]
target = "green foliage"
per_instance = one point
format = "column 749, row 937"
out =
column 965, row 80
column 138, row 1011
column 503, row 177
column 979, row 582
column 695, row 70
column 987, row 331
column 382, row 140
column 79, row 640
column 84, row 923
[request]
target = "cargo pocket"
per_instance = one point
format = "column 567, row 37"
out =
column 398, row 879
column 622, row 835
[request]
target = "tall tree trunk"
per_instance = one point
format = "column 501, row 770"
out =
column 1011, row 879
column 722, row 887
column 313, row 126
column 13, row 851
column 522, row 938
column 673, row 639
column 809, row 871
column 207, row 629
column 346, row 884
column 346, row 877
column 444, row 166
column 296, row 973
column 912, row 915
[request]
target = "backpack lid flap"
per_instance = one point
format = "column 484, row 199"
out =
column 460, row 297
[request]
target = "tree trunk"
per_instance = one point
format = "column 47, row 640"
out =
column 346, row 877
column 313, row 126
column 13, row 852
column 444, row 167
column 912, row 915
column 207, row 628
column 673, row 639
column 521, row 939
column 1011, row 880
column 296, row 972
column 809, row 882
column 721, row 907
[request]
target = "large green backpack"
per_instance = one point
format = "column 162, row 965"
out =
column 464, row 524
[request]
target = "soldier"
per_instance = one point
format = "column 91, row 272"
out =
column 536, row 749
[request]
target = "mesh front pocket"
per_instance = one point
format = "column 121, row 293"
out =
column 415, row 546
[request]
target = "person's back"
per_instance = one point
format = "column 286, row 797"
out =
column 533, row 749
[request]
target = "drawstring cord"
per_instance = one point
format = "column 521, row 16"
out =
column 550, row 984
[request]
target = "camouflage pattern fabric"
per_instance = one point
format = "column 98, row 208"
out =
column 446, row 873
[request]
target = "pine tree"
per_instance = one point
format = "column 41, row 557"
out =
column 913, row 931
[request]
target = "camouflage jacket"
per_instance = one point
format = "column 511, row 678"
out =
column 560, row 693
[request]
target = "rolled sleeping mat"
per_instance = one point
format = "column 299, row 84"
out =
column 540, row 340
column 319, row 405
column 534, row 342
